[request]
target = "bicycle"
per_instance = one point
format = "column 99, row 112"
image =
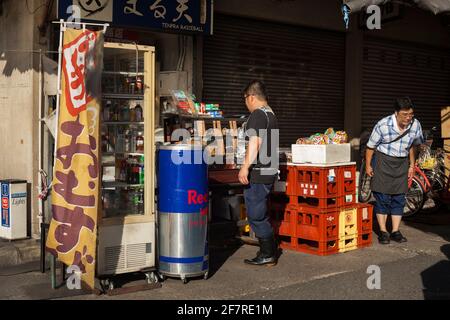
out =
column 418, row 186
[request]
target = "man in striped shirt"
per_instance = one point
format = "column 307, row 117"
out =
column 392, row 142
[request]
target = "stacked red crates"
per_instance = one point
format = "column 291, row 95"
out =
column 306, row 218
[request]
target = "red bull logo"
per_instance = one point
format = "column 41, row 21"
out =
column 195, row 198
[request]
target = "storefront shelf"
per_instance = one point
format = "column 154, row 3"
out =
column 128, row 153
column 122, row 73
column 123, row 96
column 115, row 184
column 116, row 123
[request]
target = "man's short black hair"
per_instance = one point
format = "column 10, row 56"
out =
column 257, row 88
column 403, row 103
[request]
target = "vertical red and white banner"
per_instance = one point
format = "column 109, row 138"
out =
column 75, row 194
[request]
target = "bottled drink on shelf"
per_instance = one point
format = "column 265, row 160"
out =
column 133, row 114
column 139, row 86
column 141, row 170
column 129, row 170
column 141, row 202
column 127, row 140
column 136, row 171
column 140, row 142
column 133, row 141
column 106, row 114
column 120, row 143
column 124, row 114
column 139, row 113
column 115, row 113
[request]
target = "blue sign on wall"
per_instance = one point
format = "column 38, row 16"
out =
column 5, row 205
column 193, row 16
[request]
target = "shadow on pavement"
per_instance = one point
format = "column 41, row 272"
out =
column 436, row 279
column 430, row 221
column 222, row 244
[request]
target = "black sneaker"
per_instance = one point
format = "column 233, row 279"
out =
column 398, row 237
column 383, row 238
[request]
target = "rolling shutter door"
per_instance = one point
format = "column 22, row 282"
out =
column 303, row 69
column 394, row 69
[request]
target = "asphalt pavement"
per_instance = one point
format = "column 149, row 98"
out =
column 416, row 270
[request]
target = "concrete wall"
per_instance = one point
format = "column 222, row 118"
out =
column 19, row 95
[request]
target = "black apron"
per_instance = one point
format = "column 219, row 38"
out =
column 390, row 174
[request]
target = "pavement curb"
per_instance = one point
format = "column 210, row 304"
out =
column 16, row 253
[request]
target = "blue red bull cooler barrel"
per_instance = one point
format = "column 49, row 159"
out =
column 182, row 212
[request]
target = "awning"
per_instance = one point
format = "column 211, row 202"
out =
column 435, row 6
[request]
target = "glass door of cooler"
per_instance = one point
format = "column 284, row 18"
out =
column 127, row 139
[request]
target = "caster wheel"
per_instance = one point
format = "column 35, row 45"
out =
column 104, row 285
column 162, row 277
column 111, row 285
column 152, row 278
column 205, row 277
column 185, row 280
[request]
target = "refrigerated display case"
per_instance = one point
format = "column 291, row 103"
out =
column 126, row 232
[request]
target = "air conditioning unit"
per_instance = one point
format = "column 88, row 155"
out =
column 126, row 248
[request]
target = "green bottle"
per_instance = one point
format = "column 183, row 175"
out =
column 141, row 170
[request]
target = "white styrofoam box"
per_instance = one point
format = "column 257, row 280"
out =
column 330, row 153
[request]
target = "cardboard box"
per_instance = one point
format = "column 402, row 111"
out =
column 321, row 154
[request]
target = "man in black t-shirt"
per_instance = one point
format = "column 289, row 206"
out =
column 260, row 169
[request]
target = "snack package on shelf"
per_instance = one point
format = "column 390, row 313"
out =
column 319, row 138
column 328, row 137
column 340, row 137
column 183, row 101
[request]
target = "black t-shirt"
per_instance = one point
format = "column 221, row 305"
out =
column 261, row 123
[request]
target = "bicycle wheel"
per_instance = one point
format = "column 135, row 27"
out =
column 436, row 181
column 415, row 198
column 364, row 192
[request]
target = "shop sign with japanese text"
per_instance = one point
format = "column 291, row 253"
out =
column 192, row 16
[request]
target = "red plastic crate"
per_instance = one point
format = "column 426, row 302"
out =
column 317, row 203
column 312, row 182
column 365, row 217
column 347, row 200
column 308, row 246
column 347, row 175
column 310, row 224
column 365, row 239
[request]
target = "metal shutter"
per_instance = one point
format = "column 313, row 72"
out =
column 304, row 71
column 393, row 69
